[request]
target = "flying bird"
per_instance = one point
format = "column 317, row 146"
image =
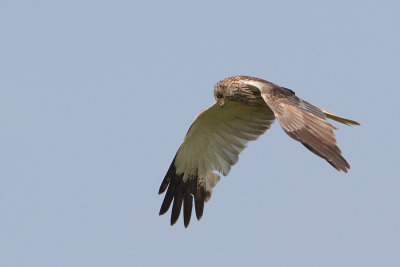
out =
column 245, row 108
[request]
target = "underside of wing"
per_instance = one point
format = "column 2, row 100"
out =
column 212, row 144
column 307, row 124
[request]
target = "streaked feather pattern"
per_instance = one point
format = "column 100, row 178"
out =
column 218, row 135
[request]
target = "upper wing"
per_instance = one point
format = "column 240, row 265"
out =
column 213, row 143
column 307, row 124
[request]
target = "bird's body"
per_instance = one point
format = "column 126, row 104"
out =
column 245, row 108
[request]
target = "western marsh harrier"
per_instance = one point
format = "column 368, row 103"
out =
column 245, row 108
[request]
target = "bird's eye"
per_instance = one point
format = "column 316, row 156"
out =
column 219, row 95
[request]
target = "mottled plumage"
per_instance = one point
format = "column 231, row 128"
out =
column 245, row 108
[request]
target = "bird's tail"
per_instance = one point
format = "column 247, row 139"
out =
column 337, row 118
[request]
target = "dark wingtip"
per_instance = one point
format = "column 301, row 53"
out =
column 169, row 196
column 176, row 209
column 164, row 184
column 174, row 219
column 199, row 204
column 168, row 177
column 187, row 209
column 161, row 190
column 182, row 193
column 164, row 207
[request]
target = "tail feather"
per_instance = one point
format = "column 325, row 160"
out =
column 337, row 118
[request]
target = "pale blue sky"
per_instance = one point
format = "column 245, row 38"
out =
column 96, row 97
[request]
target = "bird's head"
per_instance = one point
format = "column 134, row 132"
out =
column 241, row 89
column 220, row 91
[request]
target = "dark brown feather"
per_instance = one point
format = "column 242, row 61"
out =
column 199, row 206
column 180, row 192
column 176, row 207
column 187, row 209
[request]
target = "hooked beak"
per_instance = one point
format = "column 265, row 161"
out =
column 221, row 102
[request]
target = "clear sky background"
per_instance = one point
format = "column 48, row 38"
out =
column 96, row 97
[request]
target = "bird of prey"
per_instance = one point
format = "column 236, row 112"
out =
column 245, row 108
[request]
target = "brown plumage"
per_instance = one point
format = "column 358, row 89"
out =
column 245, row 108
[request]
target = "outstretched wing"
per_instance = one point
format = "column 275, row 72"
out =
column 307, row 124
column 213, row 143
